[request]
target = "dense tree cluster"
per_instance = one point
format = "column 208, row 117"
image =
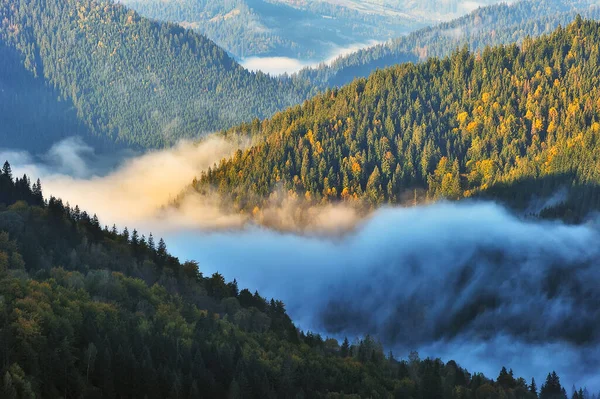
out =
column 509, row 121
column 31, row 114
column 487, row 26
column 92, row 312
column 126, row 78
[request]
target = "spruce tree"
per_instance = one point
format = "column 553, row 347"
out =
column 6, row 170
column 533, row 388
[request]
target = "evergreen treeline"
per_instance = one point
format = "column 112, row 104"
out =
column 90, row 312
column 126, row 78
column 487, row 26
column 509, row 122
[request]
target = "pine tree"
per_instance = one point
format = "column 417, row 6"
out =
column 7, row 171
column 533, row 387
column 134, row 238
column 345, row 349
column 76, row 213
column 373, row 187
column 552, row 389
column 26, row 182
column 162, row 249
column 151, row 242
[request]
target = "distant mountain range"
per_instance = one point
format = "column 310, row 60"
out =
column 486, row 26
column 310, row 30
column 99, row 69
column 307, row 30
column 424, row 10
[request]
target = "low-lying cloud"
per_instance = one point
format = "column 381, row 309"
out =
column 274, row 66
column 141, row 191
column 277, row 66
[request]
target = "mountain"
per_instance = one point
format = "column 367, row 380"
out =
column 509, row 122
column 486, row 26
column 127, row 79
column 307, row 30
column 96, row 313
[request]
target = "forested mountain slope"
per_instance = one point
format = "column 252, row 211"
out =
column 31, row 113
column 487, row 26
column 96, row 313
column 127, row 78
column 468, row 124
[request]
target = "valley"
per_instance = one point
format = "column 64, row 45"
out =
column 258, row 28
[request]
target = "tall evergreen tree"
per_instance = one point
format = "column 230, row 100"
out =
column 533, row 387
column 7, row 170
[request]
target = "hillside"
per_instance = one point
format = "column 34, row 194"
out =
column 97, row 313
column 52, row 120
column 128, row 80
column 486, row 26
column 511, row 122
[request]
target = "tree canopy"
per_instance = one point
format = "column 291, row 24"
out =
column 509, row 122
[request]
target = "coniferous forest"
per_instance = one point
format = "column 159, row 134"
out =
column 98, row 70
column 246, row 28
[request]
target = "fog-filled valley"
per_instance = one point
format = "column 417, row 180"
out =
column 470, row 281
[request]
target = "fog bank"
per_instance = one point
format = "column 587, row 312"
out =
column 133, row 192
column 277, row 66
column 468, row 281
column 141, row 192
